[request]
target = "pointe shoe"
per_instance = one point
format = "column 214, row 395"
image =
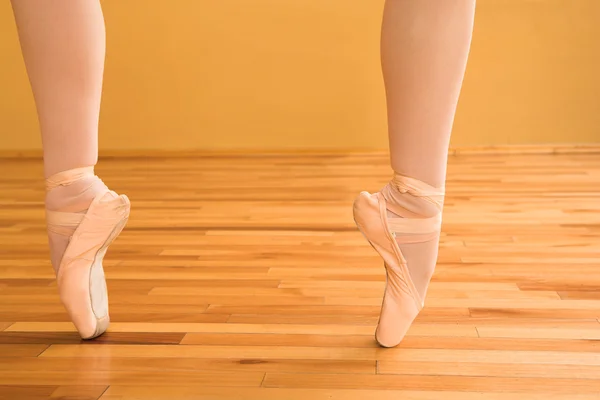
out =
column 80, row 277
column 401, row 302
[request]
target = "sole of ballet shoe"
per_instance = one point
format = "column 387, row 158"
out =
column 98, row 288
column 81, row 279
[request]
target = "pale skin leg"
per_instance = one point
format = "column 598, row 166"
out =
column 424, row 48
column 424, row 45
column 63, row 45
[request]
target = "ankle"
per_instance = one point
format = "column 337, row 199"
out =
column 410, row 198
column 73, row 190
column 70, row 191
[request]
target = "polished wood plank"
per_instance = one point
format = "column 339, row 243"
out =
column 513, row 344
column 580, row 295
column 537, row 313
column 22, row 392
column 440, row 383
column 529, row 370
column 492, row 356
column 220, row 339
column 190, row 393
column 117, row 377
column 592, row 333
column 22, row 350
column 25, row 283
column 262, row 288
column 157, row 364
column 78, row 392
column 74, row 338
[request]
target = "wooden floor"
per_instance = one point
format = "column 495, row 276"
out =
column 245, row 278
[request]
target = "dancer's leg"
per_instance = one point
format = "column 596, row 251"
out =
column 424, row 46
column 63, row 43
column 424, row 49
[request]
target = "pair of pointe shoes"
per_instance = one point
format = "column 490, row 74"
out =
column 402, row 301
column 82, row 285
column 80, row 277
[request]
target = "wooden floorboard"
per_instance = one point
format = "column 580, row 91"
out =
column 243, row 277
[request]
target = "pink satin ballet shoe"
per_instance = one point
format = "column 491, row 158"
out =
column 80, row 276
column 401, row 302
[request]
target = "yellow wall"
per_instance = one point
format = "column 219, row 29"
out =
column 270, row 74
